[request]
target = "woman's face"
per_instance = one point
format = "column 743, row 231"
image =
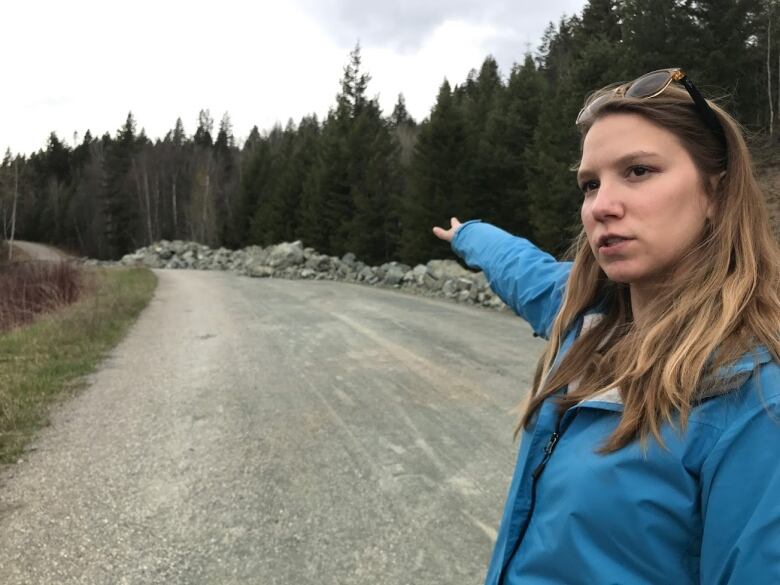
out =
column 644, row 205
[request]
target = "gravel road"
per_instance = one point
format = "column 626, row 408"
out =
column 40, row 251
column 276, row 432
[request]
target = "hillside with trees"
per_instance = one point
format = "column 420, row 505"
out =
column 498, row 146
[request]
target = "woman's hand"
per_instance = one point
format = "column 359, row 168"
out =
column 447, row 235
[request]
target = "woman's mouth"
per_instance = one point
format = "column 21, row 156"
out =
column 613, row 245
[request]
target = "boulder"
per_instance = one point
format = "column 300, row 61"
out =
column 395, row 274
column 259, row 270
column 444, row 269
column 450, row 287
column 285, row 255
column 366, row 273
column 319, row 263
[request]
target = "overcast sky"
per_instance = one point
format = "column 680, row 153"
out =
column 69, row 66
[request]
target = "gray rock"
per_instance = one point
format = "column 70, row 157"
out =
column 153, row 261
column 418, row 274
column 291, row 260
column 285, row 255
column 163, row 251
column 395, row 274
column 496, row 303
column 432, row 283
column 462, row 284
column 444, row 269
column 256, row 255
column 450, row 287
column 131, row 259
column 349, row 259
column 480, row 281
column 366, row 273
column 259, row 271
column 175, row 263
column 319, row 263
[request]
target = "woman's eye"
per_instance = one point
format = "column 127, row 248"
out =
column 589, row 186
column 638, row 170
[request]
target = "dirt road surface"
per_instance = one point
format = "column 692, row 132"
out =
column 276, row 432
column 40, row 251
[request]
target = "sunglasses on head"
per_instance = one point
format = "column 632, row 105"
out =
column 651, row 85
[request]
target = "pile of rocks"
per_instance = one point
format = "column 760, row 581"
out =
column 445, row 278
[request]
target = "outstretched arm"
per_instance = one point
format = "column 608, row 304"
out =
column 527, row 279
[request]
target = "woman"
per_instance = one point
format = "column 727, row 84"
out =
column 650, row 449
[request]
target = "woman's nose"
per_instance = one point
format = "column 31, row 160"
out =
column 607, row 202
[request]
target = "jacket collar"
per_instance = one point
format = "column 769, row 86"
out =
column 726, row 379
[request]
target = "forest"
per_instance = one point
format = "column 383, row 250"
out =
column 497, row 146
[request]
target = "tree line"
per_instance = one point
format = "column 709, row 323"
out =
column 498, row 147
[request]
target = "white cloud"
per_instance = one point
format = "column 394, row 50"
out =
column 83, row 64
column 451, row 51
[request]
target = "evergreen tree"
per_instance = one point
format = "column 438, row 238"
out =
column 601, row 18
column 51, row 175
column 400, row 116
column 226, row 178
column 225, row 139
column 253, row 139
column 507, row 144
column 481, row 103
column 553, row 201
column 205, row 127
column 328, row 203
column 178, row 137
column 374, row 184
column 727, row 60
column 255, row 180
column 346, row 173
column 279, row 216
column 121, row 209
column 437, row 186
column 272, row 220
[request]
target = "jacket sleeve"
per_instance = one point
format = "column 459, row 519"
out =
column 741, row 501
column 527, row 279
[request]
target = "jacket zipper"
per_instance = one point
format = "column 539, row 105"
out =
column 548, row 450
column 547, row 453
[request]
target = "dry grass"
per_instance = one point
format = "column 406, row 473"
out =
column 769, row 177
column 30, row 288
column 46, row 360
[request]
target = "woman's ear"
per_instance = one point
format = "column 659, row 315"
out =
column 716, row 180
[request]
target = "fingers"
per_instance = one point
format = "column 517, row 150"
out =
column 447, row 235
column 442, row 234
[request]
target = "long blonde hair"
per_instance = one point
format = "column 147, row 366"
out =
column 722, row 305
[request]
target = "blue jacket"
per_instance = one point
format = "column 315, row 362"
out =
column 704, row 511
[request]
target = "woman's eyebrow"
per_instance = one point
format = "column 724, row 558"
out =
column 622, row 161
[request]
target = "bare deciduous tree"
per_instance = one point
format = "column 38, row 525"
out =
column 769, row 6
